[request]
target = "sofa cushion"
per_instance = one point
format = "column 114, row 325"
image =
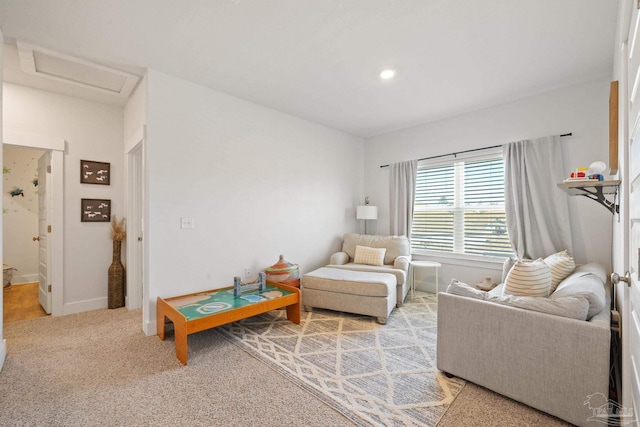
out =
column 593, row 268
column 369, row 256
column 395, row 245
column 400, row 275
column 531, row 279
column 574, row 307
column 586, row 281
column 561, row 265
column 459, row 288
column 349, row 282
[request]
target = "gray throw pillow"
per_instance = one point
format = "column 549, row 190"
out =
column 462, row 289
column 585, row 284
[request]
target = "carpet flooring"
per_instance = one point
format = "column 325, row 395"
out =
column 374, row 374
column 98, row 369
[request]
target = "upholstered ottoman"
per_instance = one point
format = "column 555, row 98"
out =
column 359, row 292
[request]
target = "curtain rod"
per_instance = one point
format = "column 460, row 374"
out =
column 467, row 151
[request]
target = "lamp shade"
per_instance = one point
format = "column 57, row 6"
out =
column 367, row 212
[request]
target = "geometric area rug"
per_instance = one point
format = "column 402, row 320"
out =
column 373, row 374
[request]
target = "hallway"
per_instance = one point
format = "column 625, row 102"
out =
column 21, row 303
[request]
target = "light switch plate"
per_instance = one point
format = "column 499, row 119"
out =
column 186, row 222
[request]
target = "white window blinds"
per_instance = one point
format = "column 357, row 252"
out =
column 459, row 208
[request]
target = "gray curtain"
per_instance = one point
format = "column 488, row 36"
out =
column 402, row 185
column 537, row 211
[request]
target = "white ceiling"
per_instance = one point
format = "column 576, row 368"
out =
column 320, row 59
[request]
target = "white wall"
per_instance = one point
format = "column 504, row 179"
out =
column 92, row 131
column 257, row 183
column 135, row 115
column 20, row 212
column 582, row 110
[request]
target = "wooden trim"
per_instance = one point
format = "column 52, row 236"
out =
column 613, row 128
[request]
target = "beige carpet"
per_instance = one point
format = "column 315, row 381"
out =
column 98, row 369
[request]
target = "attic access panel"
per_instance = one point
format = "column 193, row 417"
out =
column 53, row 65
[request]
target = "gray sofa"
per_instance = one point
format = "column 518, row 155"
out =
column 548, row 361
column 396, row 259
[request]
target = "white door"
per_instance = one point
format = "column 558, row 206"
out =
column 135, row 241
column 44, row 223
column 630, row 196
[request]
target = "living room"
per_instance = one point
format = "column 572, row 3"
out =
column 258, row 181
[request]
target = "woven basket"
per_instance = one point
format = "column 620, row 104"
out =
column 116, row 278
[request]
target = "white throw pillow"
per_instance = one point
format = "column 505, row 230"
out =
column 462, row 289
column 369, row 256
column 528, row 279
column 561, row 265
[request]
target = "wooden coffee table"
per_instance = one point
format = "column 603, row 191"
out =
column 204, row 310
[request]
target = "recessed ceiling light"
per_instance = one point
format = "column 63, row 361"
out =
column 387, row 74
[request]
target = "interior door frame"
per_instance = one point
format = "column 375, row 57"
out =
column 137, row 214
column 621, row 263
column 44, row 204
column 135, row 203
column 628, row 21
column 57, row 147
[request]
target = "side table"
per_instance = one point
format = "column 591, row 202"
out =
column 423, row 264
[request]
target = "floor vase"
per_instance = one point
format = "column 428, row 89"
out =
column 116, row 278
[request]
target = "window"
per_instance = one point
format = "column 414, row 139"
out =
column 459, row 208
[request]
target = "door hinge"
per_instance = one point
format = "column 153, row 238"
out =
column 48, row 168
column 49, row 288
column 48, row 228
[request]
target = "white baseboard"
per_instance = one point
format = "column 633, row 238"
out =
column 87, row 305
column 150, row 328
column 24, row 278
column 3, row 352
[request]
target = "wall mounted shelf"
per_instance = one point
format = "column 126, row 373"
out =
column 595, row 190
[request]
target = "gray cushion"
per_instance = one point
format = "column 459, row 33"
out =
column 594, row 268
column 399, row 274
column 349, row 282
column 574, row 307
column 587, row 282
column 459, row 288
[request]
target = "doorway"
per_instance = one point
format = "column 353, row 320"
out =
column 135, row 226
column 55, row 212
column 22, row 203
